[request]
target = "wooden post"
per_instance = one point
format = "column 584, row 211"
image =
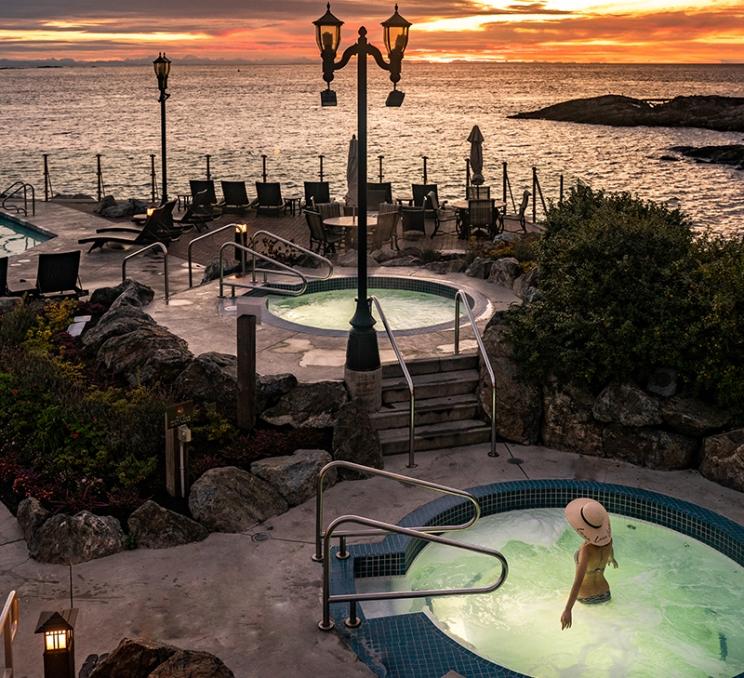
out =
column 246, row 405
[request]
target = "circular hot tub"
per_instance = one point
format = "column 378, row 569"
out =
column 411, row 305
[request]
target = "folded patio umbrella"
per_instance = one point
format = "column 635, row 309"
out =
column 352, row 170
column 476, row 156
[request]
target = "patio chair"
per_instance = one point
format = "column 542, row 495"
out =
column 441, row 214
column 321, row 237
column 385, row 231
column 384, row 189
column 199, row 185
column 385, row 207
column 159, row 221
column 330, row 210
column 235, row 196
column 145, row 236
column 58, row 275
column 479, row 193
column 481, row 218
column 413, row 221
column 198, row 214
column 523, row 210
column 317, row 193
column 270, row 201
column 421, row 194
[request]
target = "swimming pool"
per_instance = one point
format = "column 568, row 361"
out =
column 677, row 595
column 16, row 238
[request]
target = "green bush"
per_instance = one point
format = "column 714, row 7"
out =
column 625, row 288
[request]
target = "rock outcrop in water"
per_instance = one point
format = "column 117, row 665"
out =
column 725, row 114
column 730, row 154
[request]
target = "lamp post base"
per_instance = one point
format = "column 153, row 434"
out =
column 365, row 387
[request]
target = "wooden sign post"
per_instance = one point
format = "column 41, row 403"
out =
column 246, row 405
column 177, row 439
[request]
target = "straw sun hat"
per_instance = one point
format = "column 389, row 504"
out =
column 590, row 519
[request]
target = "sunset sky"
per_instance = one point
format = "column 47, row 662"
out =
column 709, row 31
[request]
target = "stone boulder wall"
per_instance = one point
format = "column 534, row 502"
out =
column 114, row 323
column 693, row 417
column 314, row 405
column 295, row 476
column 228, row 499
column 144, row 356
column 519, row 404
column 525, row 285
column 723, row 459
column 154, row 527
column 211, row 378
column 628, row 405
column 270, row 389
column 505, row 271
column 479, row 268
column 355, row 439
column 192, row 664
column 133, row 293
column 31, row 515
column 650, row 447
column 75, row 539
column 568, row 423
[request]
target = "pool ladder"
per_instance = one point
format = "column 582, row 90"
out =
column 426, row 533
column 17, row 191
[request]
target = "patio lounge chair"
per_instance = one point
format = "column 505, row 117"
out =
column 321, row 237
column 523, row 210
column 199, row 185
column 58, row 275
column 235, row 196
column 147, row 235
column 160, row 220
column 414, row 223
column 317, row 193
column 270, row 199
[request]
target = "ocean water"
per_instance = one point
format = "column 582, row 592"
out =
column 237, row 113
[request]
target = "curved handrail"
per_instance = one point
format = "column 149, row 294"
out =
column 409, row 381
column 314, row 255
column 164, row 250
column 10, row 619
column 326, row 624
column 16, row 188
column 202, row 237
column 461, row 298
column 443, row 489
column 10, row 189
column 267, row 288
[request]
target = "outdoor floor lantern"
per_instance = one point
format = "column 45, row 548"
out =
column 162, row 66
column 59, row 642
column 363, row 372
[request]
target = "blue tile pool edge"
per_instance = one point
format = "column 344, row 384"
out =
column 412, row 646
column 27, row 224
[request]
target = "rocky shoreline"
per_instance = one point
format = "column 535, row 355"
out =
column 729, row 154
column 723, row 114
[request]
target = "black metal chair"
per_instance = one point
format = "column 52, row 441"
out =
column 413, row 221
column 321, row 237
column 479, row 192
column 235, row 196
column 481, row 218
column 199, row 185
column 377, row 194
column 385, row 231
column 270, row 199
column 421, row 193
column 316, row 193
column 58, row 275
column 441, row 214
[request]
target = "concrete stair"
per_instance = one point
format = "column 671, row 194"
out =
column 447, row 409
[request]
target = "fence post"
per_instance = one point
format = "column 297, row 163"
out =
column 504, row 181
column 246, row 404
column 534, row 195
column 425, row 175
column 46, row 177
column 153, row 179
column 100, row 177
column 263, row 161
column 380, row 157
column 321, row 166
column 209, row 169
column 467, row 177
column 561, row 191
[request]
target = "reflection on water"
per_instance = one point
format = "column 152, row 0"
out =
column 238, row 114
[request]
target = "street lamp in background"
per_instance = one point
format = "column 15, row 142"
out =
column 363, row 373
column 162, row 66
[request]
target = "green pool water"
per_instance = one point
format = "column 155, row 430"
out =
column 332, row 310
column 15, row 238
column 677, row 605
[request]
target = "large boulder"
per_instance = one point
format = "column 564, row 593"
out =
column 65, row 539
column 155, row 527
column 652, row 448
column 480, row 267
column 192, row 664
column 568, row 423
column 31, row 515
column 134, row 293
column 134, row 658
column 355, row 439
column 270, row 388
column 628, row 405
column 446, row 266
column 147, row 355
column 505, row 271
column 115, row 322
column 519, row 403
column 723, row 459
column 525, row 285
column 314, row 405
column 295, row 476
column 211, row 378
column 693, row 417
column 228, row 499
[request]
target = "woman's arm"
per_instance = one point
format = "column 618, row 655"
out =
column 580, row 572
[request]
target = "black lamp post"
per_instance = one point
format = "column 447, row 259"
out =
column 362, row 353
column 162, row 66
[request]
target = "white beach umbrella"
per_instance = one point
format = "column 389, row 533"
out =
column 352, row 170
column 476, row 156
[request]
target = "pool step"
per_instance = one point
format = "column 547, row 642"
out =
column 428, row 411
column 430, row 385
column 436, row 436
column 466, row 361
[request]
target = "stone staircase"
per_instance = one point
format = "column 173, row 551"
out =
column 447, row 410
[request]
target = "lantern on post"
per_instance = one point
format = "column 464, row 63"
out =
column 59, row 642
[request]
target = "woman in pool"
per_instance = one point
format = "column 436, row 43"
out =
column 592, row 522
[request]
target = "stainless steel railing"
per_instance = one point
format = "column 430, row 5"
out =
column 353, row 621
column 409, row 381
column 13, row 192
column 202, row 237
column 254, row 285
column 164, row 250
column 461, row 298
column 10, row 618
column 442, row 489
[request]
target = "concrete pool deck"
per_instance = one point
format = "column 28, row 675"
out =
column 255, row 600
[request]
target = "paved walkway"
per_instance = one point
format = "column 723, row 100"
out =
column 254, row 602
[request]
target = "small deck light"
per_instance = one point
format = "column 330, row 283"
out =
column 59, row 643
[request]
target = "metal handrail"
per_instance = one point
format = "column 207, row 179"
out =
column 409, row 381
column 164, row 250
column 461, row 298
column 252, row 286
column 407, row 480
column 15, row 188
column 310, row 253
column 201, row 237
column 10, row 619
column 326, row 624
